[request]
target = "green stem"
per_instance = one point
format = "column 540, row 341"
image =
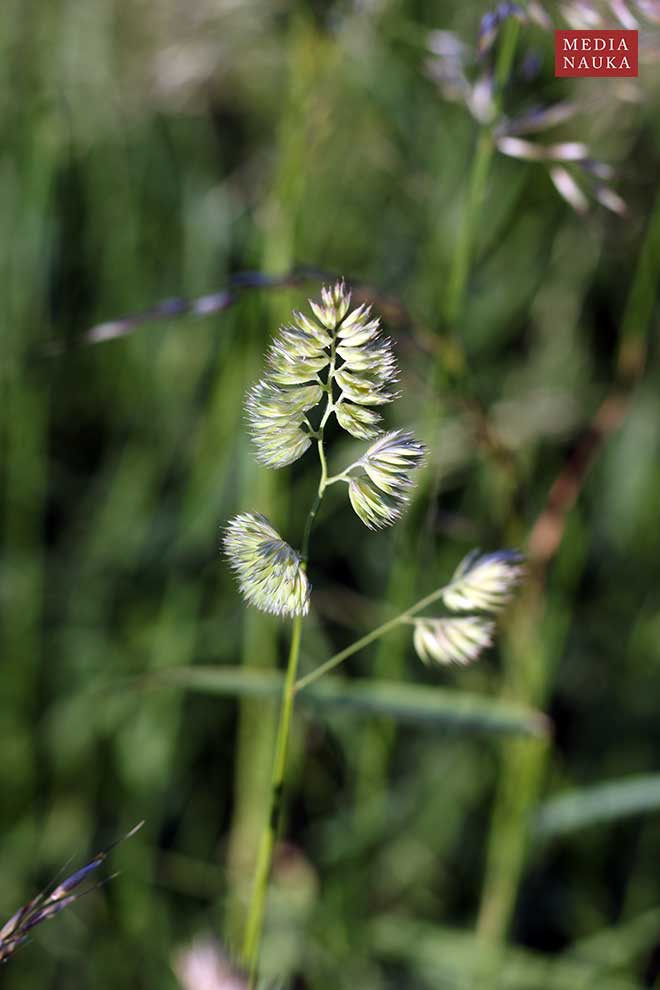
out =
column 639, row 306
column 370, row 637
column 255, row 918
column 505, row 56
column 462, row 258
column 477, row 181
column 323, row 484
column 304, row 551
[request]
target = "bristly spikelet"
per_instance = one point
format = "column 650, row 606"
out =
column 380, row 493
column 481, row 582
column 357, row 420
column 277, row 420
column 333, row 306
column 455, row 640
column 270, row 573
column 484, row 581
column 336, row 353
column 369, row 369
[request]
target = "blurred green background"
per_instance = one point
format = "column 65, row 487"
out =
column 153, row 150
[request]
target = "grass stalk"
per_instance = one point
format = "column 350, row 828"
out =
column 461, row 262
column 463, row 252
column 255, row 919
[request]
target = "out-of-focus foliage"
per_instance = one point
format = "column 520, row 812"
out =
column 153, row 150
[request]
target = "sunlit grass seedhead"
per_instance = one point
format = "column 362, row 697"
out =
column 338, row 362
column 270, row 572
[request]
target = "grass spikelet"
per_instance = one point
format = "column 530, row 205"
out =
column 269, row 571
column 484, row 582
column 453, row 640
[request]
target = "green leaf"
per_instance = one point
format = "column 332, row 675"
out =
column 605, row 802
column 405, row 702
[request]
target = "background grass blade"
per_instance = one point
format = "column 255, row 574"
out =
column 406, row 702
column 589, row 806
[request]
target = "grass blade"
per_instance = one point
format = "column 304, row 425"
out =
column 596, row 805
column 406, row 702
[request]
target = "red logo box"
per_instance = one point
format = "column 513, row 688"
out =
column 590, row 54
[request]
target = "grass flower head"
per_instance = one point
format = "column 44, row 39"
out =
column 270, row 573
column 382, row 489
column 336, row 353
column 452, row 640
column 484, row 582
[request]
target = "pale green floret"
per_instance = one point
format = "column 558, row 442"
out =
column 270, row 573
column 452, row 640
column 380, row 494
column 311, row 328
column 357, row 330
column 277, row 418
column 373, row 355
column 359, row 421
column 392, row 457
column 290, row 368
column 333, row 307
column 375, row 509
column 366, row 388
column 485, row 582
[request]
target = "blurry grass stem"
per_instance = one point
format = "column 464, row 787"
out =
column 478, row 179
column 450, row 365
column 255, row 918
column 528, row 679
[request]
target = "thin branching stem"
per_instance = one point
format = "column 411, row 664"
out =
column 339, row 477
column 370, row 637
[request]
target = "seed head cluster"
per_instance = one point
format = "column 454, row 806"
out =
column 334, row 361
column 381, row 490
column 337, row 361
column 484, row 582
column 270, row 573
column 335, row 353
column 481, row 583
column 454, row 640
